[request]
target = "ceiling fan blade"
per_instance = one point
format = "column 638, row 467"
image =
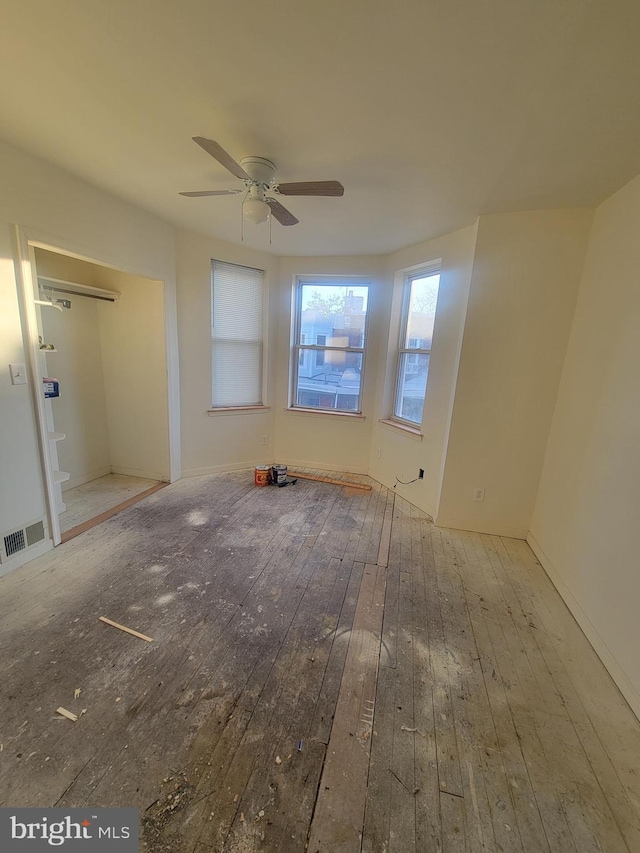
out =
column 284, row 216
column 211, row 192
column 219, row 154
column 329, row 188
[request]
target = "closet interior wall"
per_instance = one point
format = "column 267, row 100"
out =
column 110, row 362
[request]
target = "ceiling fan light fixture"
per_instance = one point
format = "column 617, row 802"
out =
column 256, row 211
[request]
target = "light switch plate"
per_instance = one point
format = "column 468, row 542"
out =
column 18, row 374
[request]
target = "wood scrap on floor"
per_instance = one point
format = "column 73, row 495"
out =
column 349, row 483
column 64, row 713
column 125, row 629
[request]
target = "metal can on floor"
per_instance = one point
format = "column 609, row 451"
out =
column 262, row 475
column 278, row 474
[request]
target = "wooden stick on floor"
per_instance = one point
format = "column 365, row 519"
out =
column 348, row 483
column 64, row 713
column 127, row 630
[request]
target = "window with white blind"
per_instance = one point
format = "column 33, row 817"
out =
column 236, row 335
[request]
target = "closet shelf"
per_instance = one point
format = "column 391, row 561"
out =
column 60, row 476
column 57, row 436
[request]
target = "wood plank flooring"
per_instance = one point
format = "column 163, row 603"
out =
column 96, row 497
column 328, row 671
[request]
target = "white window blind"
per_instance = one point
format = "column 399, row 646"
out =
column 236, row 335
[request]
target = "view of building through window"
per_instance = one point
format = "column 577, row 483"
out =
column 330, row 345
column 418, row 318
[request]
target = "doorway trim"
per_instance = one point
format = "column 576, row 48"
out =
column 26, row 240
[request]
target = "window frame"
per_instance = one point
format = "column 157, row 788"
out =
column 262, row 369
column 297, row 348
column 403, row 349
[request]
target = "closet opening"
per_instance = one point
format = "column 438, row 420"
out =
column 103, row 363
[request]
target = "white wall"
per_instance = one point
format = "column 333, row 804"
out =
column 525, row 278
column 80, row 412
column 111, row 363
column 21, row 489
column 61, row 210
column 585, row 522
column 334, row 442
column 133, row 347
column 221, row 441
column 394, row 452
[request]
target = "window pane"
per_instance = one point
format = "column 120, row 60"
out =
column 422, row 311
column 335, row 384
column 412, row 386
column 333, row 314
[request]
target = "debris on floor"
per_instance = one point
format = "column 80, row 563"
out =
column 64, row 713
column 287, row 482
column 77, row 692
column 416, row 731
column 158, row 826
column 125, row 629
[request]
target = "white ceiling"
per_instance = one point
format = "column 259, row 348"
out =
column 428, row 111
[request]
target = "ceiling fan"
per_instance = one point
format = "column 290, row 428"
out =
column 258, row 176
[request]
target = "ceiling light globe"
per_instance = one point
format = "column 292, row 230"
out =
column 255, row 211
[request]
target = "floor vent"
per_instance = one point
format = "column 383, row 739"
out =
column 14, row 542
column 21, row 539
column 35, row 533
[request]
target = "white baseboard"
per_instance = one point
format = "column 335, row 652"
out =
column 293, row 464
column 322, row 466
column 85, row 478
column 617, row 673
column 223, row 469
column 475, row 527
column 139, row 472
column 26, row 556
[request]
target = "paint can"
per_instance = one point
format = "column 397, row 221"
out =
column 279, row 474
column 262, row 475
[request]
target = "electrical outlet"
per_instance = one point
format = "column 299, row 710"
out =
column 264, row 439
column 378, row 453
column 421, row 474
column 18, row 374
column 478, row 494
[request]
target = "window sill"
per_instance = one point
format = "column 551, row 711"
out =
column 353, row 415
column 237, row 410
column 411, row 432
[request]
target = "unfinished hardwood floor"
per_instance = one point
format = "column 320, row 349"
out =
column 97, row 496
column 328, row 671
